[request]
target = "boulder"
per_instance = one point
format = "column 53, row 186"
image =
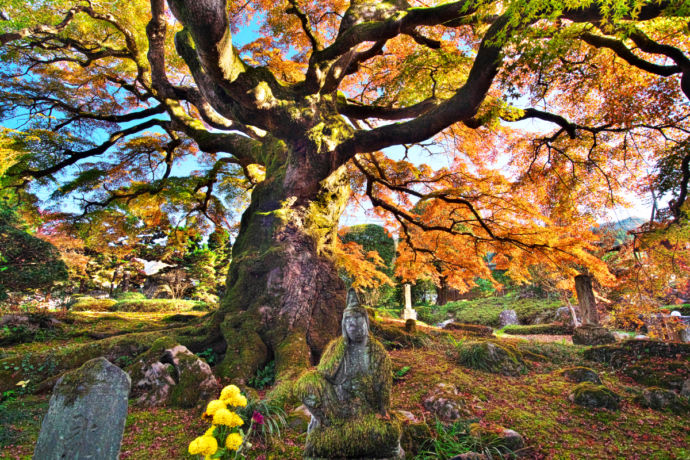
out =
column 661, row 399
column 563, row 315
column 443, row 403
column 592, row 335
column 491, row 357
column 171, row 375
column 580, row 374
column 590, row 395
column 507, row 318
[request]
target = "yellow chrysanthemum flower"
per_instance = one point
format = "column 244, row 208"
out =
column 210, row 431
column 213, row 407
column 236, row 401
column 228, row 392
column 227, row 418
column 203, row 445
column 233, row 441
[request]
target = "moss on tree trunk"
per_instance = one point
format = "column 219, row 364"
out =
column 284, row 298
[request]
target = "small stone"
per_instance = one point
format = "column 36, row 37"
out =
column 299, row 419
column 411, row 326
column 592, row 335
column 86, row 415
column 581, row 374
column 470, row 456
column 620, row 336
column 592, row 396
column 685, row 391
column 499, row 437
column 443, row 402
column 407, row 416
column 507, row 318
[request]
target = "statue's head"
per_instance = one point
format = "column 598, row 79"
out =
column 355, row 324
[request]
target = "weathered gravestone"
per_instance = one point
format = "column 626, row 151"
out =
column 86, row 415
column 348, row 395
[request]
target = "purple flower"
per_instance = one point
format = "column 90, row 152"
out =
column 258, row 418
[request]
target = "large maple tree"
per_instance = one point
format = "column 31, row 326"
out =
column 115, row 94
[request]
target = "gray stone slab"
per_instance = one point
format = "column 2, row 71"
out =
column 86, row 414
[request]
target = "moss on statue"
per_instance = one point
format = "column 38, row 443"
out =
column 348, row 437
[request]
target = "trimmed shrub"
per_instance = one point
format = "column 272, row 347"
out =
column 122, row 296
column 471, row 329
column 539, row 329
column 92, row 304
column 157, row 305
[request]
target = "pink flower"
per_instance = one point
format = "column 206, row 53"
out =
column 258, row 418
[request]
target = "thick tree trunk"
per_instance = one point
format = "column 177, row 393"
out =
column 284, row 298
column 586, row 300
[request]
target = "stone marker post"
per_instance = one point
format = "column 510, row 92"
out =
column 409, row 312
column 586, row 301
column 86, row 415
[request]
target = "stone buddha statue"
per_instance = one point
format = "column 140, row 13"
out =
column 348, row 395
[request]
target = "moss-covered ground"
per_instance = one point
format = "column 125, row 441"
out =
column 534, row 403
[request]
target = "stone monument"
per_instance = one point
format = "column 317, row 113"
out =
column 86, row 415
column 409, row 312
column 348, row 395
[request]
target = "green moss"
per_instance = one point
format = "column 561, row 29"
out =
column 185, row 394
column 246, row 351
column 369, row 436
column 579, row 374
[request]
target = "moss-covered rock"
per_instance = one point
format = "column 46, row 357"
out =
column 589, row 334
column 623, row 352
column 655, row 372
column 195, row 384
column 491, row 357
column 590, row 395
column 580, row 374
column 661, row 399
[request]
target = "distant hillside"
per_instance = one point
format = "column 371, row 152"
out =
column 621, row 228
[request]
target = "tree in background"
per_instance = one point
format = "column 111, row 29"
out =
column 372, row 237
column 27, row 263
column 117, row 94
